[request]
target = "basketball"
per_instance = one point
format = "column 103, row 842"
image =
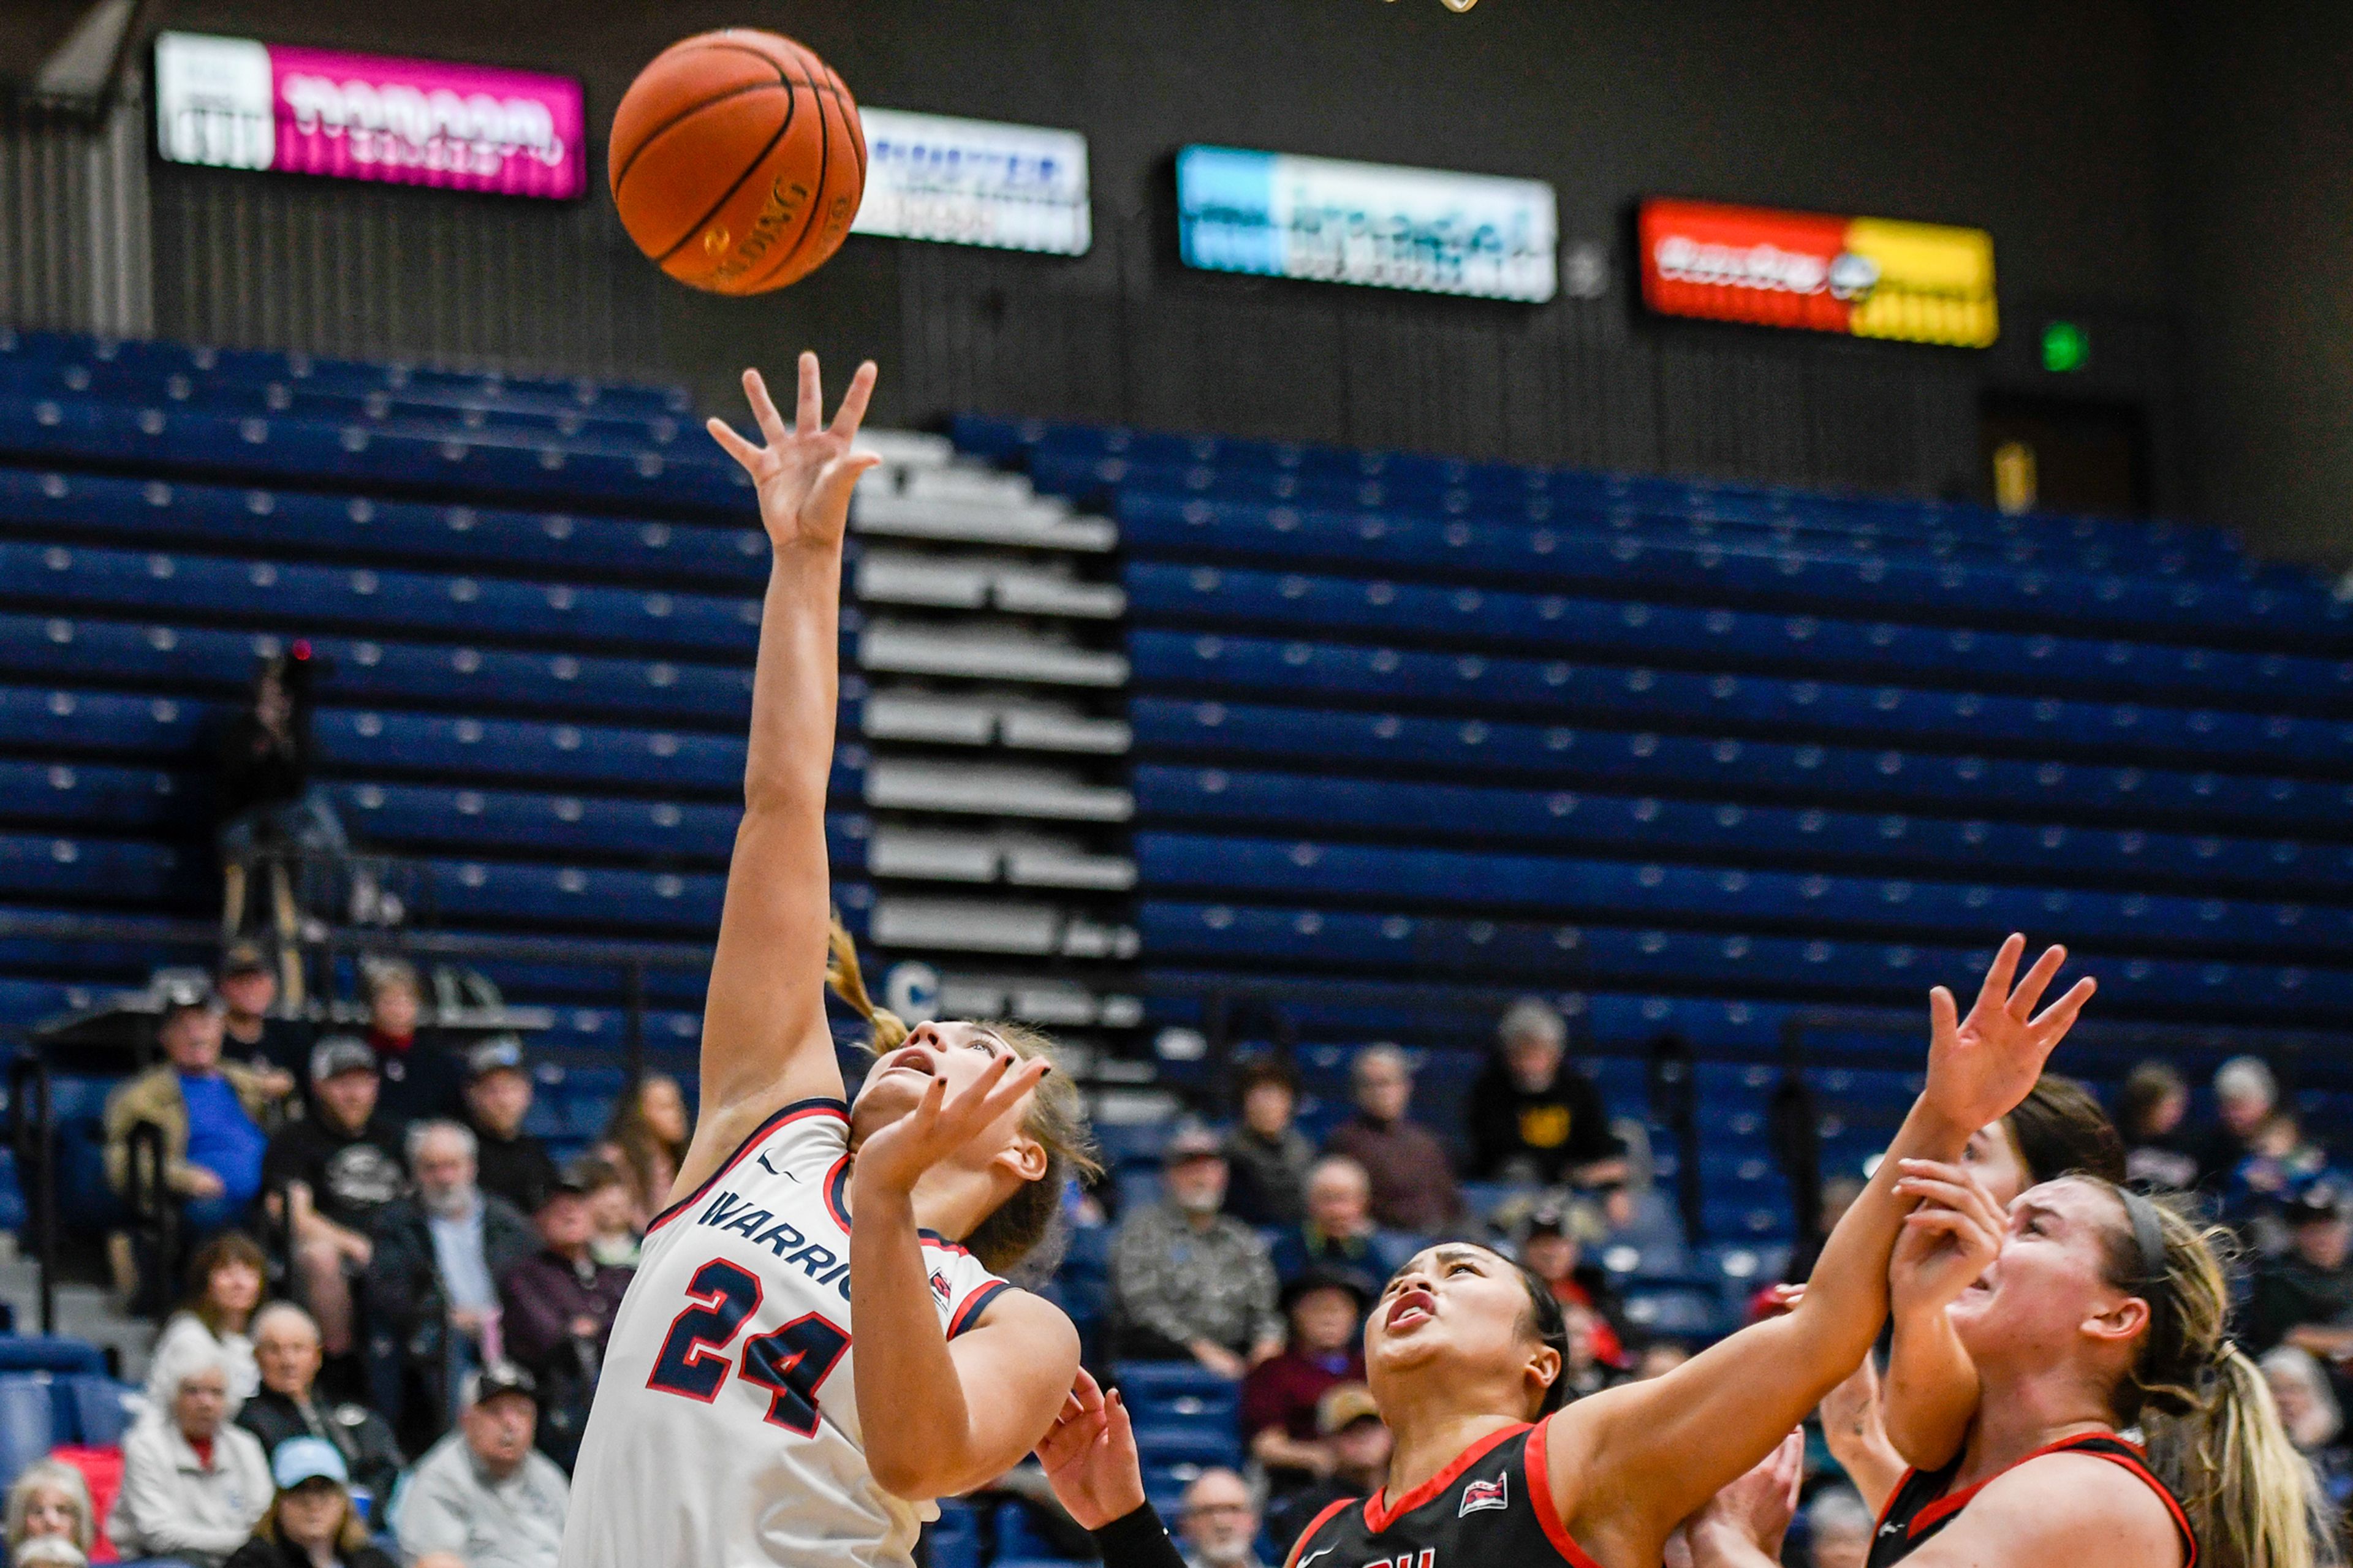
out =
column 737, row 161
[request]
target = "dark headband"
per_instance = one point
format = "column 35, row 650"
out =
column 2148, row 1237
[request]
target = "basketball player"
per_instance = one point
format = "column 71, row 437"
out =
column 2086, row 1310
column 737, row 1422
column 1464, row 1352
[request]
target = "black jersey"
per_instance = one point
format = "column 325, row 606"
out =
column 1924, row 1502
column 1492, row 1506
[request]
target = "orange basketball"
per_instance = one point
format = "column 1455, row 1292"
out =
column 737, row 161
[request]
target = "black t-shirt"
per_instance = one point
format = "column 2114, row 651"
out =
column 2291, row 1293
column 284, row 1043
column 350, row 1175
column 1546, row 1133
column 425, row 1082
column 519, row 1168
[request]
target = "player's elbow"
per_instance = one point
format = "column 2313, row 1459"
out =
column 914, row 1477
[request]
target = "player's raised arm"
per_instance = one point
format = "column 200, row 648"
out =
column 1627, row 1464
column 764, row 1040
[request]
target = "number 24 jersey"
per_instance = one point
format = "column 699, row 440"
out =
column 725, row 1432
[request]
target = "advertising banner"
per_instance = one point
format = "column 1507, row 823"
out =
column 974, row 181
column 235, row 103
column 1868, row 277
column 1389, row 227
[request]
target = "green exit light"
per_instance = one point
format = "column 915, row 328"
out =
column 2065, row 347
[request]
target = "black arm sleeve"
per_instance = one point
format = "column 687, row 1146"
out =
column 1137, row 1540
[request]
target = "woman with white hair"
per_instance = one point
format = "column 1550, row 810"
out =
column 2314, row 1419
column 49, row 1502
column 193, row 1484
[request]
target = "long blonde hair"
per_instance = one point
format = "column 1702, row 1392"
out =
column 2213, row 1433
column 1021, row 1231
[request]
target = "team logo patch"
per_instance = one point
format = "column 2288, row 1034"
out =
column 1497, row 1493
column 940, row 1285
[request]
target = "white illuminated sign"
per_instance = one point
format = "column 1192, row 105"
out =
column 974, row 181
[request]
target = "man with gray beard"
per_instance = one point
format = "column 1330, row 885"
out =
column 1187, row 1281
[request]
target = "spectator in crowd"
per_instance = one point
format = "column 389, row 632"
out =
column 2315, row 1421
column 1533, row 1118
column 250, row 1028
column 49, row 1552
column 2281, row 1163
column 1187, row 1281
column 1413, row 1183
column 430, row 1290
column 1280, row 1396
column 210, row 1111
column 2149, row 1116
column 50, row 1501
column 1338, row 1234
column 646, row 1139
column 224, row 1282
column 1658, row 1358
column 514, row 1164
column 338, row 1168
column 1268, row 1156
column 1219, row 1524
column 314, row 1520
column 1839, row 1528
column 2245, row 1094
column 424, row 1081
column 483, row 1495
column 193, row 1484
column 285, row 1343
column 556, row 1310
column 1582, row 1370
column 1349, row 1421
column 613, row 1241
column 1548, row 1245
column 2305, row 1298
column 264, row 796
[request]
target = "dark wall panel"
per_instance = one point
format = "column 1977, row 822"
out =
column 2036, row 121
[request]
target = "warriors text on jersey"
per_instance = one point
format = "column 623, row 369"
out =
column 1493, row 1505
column 725, row 1432
column 1925, row 1501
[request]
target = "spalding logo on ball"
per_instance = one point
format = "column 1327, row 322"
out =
column 737, row 161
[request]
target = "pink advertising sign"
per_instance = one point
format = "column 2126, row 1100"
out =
column 240, row 104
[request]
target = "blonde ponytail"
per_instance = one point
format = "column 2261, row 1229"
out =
column 2213, row 1433
column 886, row 1029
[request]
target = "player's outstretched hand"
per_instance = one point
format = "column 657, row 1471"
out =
column 1090, row 1456
column 1949, row 1240
column 804, row 475
column 1744, row 1524
column 893, row 1159
column 1981, row 1067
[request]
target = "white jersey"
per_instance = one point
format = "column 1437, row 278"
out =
column 725, row 1430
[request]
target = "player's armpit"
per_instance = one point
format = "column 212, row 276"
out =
column 2062, row 1510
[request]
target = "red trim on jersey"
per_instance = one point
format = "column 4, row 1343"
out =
column 1318, row 1522
column 1548, row 1507
column 793, row 1112
column 1379, row 1518
column 934, row 1239
column 2134, row 1465
column 1889, row 1506
column 968, row 1315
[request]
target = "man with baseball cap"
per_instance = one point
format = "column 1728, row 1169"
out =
column 483, row 1495
column 556, row 1314
column 2305, row 1298
column 210, row 1112
column 248, row 983
column 338, row 1167
column 1185, row 1279
column 510, row 1162
column 1348, row 1425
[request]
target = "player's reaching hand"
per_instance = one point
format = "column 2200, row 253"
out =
column 894, row 1157
column 1741, row 1526
column 1981, row 1067
column 1090, row 1456
column 804, row 475
column 1948, row 1241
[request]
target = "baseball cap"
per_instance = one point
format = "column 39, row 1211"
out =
column 299, row 1459
column 182, row 994
column 1343, row 1405
column 1315, row 1279
column 567, row 1185
column 499, row 1053
column 498, row 1377
column 244, row 958
column 339, row 1054
column 1191, row 1140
